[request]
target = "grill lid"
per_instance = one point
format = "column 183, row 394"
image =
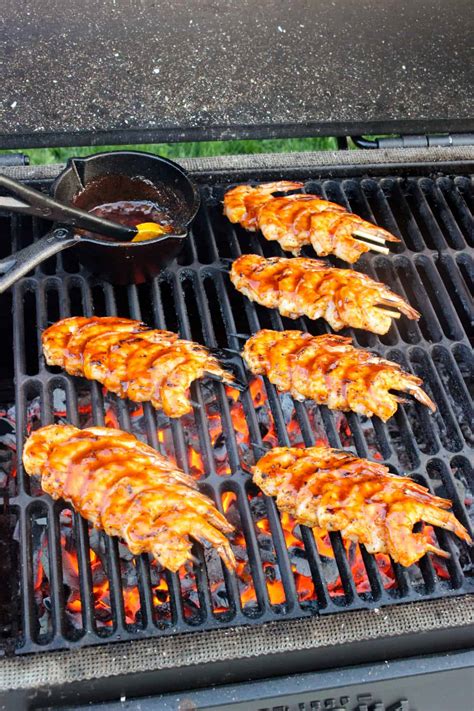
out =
column 125, row 72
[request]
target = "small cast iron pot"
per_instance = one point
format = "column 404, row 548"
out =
column 102, row 178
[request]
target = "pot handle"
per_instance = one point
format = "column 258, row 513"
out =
column 17, row 265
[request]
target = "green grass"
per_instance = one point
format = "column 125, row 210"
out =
column 40, row 156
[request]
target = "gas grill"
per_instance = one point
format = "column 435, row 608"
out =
column 309, row 621
column 82, row 619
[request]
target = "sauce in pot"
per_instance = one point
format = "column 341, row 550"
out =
column 132, row 212
column 132, row 201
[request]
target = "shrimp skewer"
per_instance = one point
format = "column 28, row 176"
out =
column 329, row 370
column 127, row 489
column 132, row 360
column 298, row 220
column 309, row 287
column 336, row 491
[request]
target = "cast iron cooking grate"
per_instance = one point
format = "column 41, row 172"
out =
column 69, row 585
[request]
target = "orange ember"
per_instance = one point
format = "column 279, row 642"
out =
column 138, row 412
column 111, row 419
column 276, row 591
column 257, row 391
column 131, row 603
column 196, row 464
column 215, row 427
column 228, row 497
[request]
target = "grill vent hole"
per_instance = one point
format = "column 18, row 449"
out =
column 30, row 327
column 145, row 301
column 122, row 301
column 213, row 298
column 166, row 290
column 453, row 281
column 76, row 301
column 98, row 298
column 192, row 310
column 53, row 309
column 445, row 423
column 456, row 203
column 204, row 238
column 42, row 600
column 408, row 228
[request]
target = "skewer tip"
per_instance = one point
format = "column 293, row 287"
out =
column 374, row 247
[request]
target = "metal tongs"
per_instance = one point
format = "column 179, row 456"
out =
column 33, row 202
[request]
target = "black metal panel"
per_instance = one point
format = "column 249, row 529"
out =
column 421, row 683
column 88, row 73
column 432, row 267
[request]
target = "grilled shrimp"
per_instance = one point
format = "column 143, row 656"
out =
column 242, row 202
column 298, row 220
column 129, row 490
column 309, row 287
column 336, row 491
column 132, row 360
column 329, row 370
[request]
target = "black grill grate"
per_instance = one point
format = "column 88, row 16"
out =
column 432, row 268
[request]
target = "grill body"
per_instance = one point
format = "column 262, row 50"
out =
column 432, row 268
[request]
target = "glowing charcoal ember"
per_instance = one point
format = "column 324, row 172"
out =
column 316, row 423
column 248, row 595
column 161, row 603
column 215, row 427
column 111, row 419
column 189, row 592
column 303, row 582
column 131, row 603
column 196, row 463
column 345, row 432
column 271, row 569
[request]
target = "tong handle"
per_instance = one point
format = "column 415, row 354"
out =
column 17, row 265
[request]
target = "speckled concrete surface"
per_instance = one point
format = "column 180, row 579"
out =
column 207, row 68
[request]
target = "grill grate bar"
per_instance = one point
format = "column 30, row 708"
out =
column 449, row 226
column 85, row 577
